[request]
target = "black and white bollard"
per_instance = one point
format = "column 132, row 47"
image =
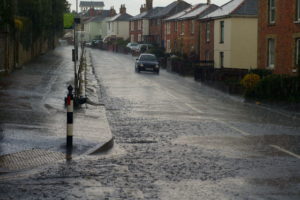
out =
column 70, row 108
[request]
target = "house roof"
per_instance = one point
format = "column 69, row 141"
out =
column 147, row 14
column 91, row 4
column 171, row 9
column 120, row 17
column 99, row 18
column 236, row 8
column 195, row 11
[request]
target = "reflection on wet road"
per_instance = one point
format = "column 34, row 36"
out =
column 238, row 149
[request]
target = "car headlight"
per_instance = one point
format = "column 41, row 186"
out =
column 156, row 66
column 141, row 65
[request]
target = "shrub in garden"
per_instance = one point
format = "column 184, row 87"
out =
column 250, row 81
column 277, row 88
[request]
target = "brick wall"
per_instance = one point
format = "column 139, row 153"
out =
column 284, row 31
column 206, row 47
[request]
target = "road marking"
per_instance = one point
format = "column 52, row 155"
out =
column 193, row 108
column 171, row 95
column 234, row 128
column 285, row 151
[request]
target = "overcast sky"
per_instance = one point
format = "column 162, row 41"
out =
column 133, row 6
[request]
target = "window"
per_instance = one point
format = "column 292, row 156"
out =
column 182, row 28
column 221, row 31
column 207, row 32
column 139, row 25
column 168, row 46
column 132, row 26
column 222, row 59
column 298, row 10
column 176, row 26
column 132, row 38
column 272, row 11
column 168, row 28
column 297, row 52
column 271, row 53
column 207, row 55
column 139, row 38
column 192, row 27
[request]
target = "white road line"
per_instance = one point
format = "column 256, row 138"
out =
column 171, row 95
column 234, row 128
column 285, row 151
column 193, row 108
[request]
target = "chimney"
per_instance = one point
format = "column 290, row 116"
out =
column 112, row 12
column 92, row 12
column 123, row 9
column 149, row 4
column 142, row 9
column 208, row 2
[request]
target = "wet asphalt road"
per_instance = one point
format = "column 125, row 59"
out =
column 175, row 139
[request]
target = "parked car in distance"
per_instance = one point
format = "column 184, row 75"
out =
column 147, row 62
column 142, row 48
column 132, row 45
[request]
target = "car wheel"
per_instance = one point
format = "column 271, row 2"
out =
column 157, row 71
column 138, row 70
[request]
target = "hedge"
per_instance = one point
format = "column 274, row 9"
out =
column 276, row 88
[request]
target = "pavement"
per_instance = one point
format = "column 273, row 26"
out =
column 33, row 115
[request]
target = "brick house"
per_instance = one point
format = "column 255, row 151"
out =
column 279, row 35
column 183, row 31
column 156, row 22
column 139, row 24
column 234, row 35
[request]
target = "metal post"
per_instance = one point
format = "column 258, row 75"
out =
column 70, row 108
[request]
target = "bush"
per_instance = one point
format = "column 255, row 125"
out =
column 250, row 81
column 157, row 51
column 276, row 88
column 261, row 72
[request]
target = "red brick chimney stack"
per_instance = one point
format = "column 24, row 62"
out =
column 112, row 12
column 143, row 8
column 149, row 4
column 123, row 9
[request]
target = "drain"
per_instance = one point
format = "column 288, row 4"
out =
column 28, row 159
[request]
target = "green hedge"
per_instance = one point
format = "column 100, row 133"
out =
column 276, row 88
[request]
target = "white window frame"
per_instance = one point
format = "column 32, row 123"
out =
column 168, row 28
column 207, row 32
column 139, row 25
column 182, row 28
column 271, row 53
column 139, row 37
column 297, row 53
column 193, row 27
column 132, row 25
column 272, row 11
column 168, row 46
column 298, row 11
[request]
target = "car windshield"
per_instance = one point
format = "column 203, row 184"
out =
column 147, row 58
column 134, row 44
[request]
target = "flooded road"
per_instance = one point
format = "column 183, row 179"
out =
column 174, row 139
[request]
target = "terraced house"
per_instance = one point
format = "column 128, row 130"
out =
column 183, row 29
column 139, row 24
column 235, row 30
column 279, row 36
column 157, row 27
